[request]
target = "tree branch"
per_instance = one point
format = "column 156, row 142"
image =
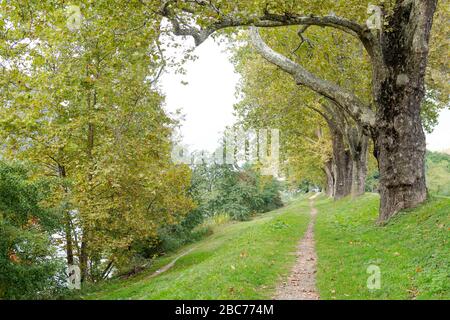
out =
column 321, row 113
column 343, row 98
column 267, row 19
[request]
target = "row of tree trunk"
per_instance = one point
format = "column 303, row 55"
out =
column 346, row 171
column 398, row 50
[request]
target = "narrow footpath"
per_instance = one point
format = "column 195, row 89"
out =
column 301, row 284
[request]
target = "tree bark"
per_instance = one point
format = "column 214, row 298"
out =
column 84, row 260
column 69, row 244
column 84, row 255
column 68, row 225
column 342, row 166
column 358, row 143
column 359, row 174
column 348, row 173
column 329, row 187
column 399, row 89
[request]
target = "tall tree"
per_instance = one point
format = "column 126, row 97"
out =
column 269, row 101
column 80, row 102
column 398, row 50
column 273, row 97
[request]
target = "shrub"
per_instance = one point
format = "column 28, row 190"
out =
column 28, row 263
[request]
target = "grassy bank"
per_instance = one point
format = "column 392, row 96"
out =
column 412, row 251
column 241, row 260
column 246, row 260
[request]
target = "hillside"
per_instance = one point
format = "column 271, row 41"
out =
column 241, row 260
column 411, row 251
column 438, row 173
column 246, row 260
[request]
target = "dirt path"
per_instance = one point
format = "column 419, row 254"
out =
column 301, row 284
column 169, row 265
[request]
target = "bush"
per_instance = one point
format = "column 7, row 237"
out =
column 170, row 238
column 221, row 193
column 237, row 211
column 240, row 192
column 216, row 220
column 28, row 263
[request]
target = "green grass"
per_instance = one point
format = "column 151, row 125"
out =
column 246, row 260
column 438, row 173
column 241, row 260
column 412, row 251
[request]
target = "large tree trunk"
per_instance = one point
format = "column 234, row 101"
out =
column 84, row 254
column 402, row 170
column 69, row 244
column 399, row 89
column 67, row 218
column 358, row 144
column 359, row 174
column 348, row 173
column 84, row 260
column 342, row 166
column 328, row 169
column 400, row 151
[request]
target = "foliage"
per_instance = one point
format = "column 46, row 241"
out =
column 28, row 261
column 172, row 237
column 216, row 220
column 271, row 99
column 431, row 106
column 81, row 103
column 373, row 181
column 306, row 186
column 239, row 192
column 220, row 192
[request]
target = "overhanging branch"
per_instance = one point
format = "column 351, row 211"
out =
column 342, row 97
column 266, row 19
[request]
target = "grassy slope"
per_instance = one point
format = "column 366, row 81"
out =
column 438, row 173
column 239, row 261
column 412, row 251
column 245, row 260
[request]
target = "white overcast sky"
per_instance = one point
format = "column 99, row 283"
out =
column 208, row 98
